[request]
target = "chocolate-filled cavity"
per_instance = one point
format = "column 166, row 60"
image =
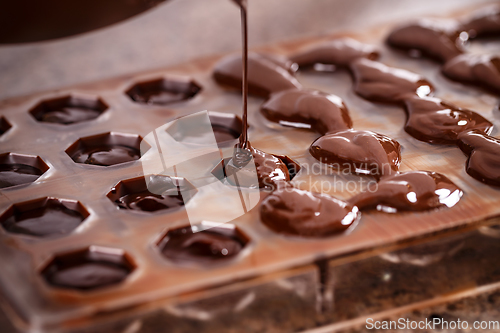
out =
column 68, row 110
column 483, row 150
column 291, row 211
column 476, row 69
column 338, row 52
column 438, row 40
column 88, row 269
column 192, row 244
column 483, row 23
column 264, row 76
column 4, row 125
column 409, row 191
column 17, row 169
column 362, row 152
column 45, row 217
column 152, row 193
column 164, row 90
column 376, row 82
column 106, row 149
column 435, row 121
column 309, row 109
column 227, row 128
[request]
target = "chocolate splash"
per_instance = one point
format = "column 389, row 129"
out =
column 483, row 150
column 409, row 191
column 291, row 211
column 311, row 109
column 435, row 121
column 362, row 152
column 376, row 82
column 338, row 52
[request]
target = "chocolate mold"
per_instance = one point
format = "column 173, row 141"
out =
column 203, row 244
column 88, row 269
column 106, row 149
column 4, row 125
column 18, row 169
column 44, row 217
column 168, row 193
column 68, row 110
column 162, row 91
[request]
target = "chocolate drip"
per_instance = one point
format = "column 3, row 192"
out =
column 17, row 174
column 107, row 155
column 338, row 52
column 483, row 23
column 292, row 211
column 409, row 191
column 265, row 76
column 70, row 115
column 182, row 245
column 482, row 70
column 312, row 109
column 376, row 82
column 483, row 150
column 435, row 121
column 362, row 152
column 435, row 39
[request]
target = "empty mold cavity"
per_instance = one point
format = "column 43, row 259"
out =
column 68, row 110
column 164, row 90
column 106, row 149
column 44, row 217
column 226, row 128
column 4, row 125
column 17, row 169
column 199, row 245
column 87, row 269
column 152, row 193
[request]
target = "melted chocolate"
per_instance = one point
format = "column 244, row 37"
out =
column 435, row 39
column 271, row 171
column 49, row 220
column 409, row 191
column 483, row 23
column 338, row 52
column 164, row 91
column 482, row 70
column 264, row 75
column 312, row 109
column 107, row 155
column 150, row 202
column 17, row 174
column 378, row 83
column 363, row 152
column 87, row 276
column 183, row 245
column 292, row 211
column 70, row 115
column 435, row 121
column 68, row 110
column 484, row 156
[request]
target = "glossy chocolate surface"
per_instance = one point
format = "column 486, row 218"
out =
column 271, row 171
column 483, row 150
column 338, row 52
column 362, row 152
column 107, row 155
column 164, row 91
column 69, row 115
column 483, row 23
column 377, row 82
column 17, row 174
column 296, row 212
column 207, row 246
column 409, row 191
column 435, row 39
column 477, row 69
column 435, row 121
column 68, row 110
column 310, row 109
column 264, row 76
column 149, row 202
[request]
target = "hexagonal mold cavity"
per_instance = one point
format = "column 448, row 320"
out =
column 226, row 127
column 164, row 90
column 152, row 193
column 68, row 110
column 44, row 217
column 17, row 169
column 106, row 149
column 4, row 125
column 206, row 243
column 91, row 268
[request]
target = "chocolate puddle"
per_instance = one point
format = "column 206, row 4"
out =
column 107, row 155
column 17, row 174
